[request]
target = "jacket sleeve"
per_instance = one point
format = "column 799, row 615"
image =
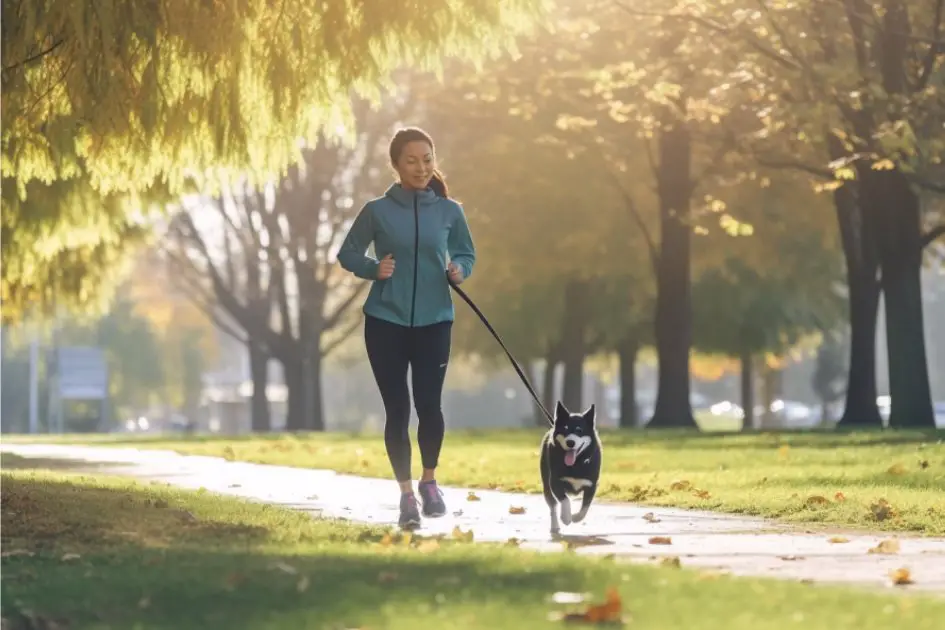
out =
column 460, row 245
column 353, row 253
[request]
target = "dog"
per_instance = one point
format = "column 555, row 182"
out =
column 571, row 457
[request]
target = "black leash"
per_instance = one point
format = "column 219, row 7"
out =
column 518, row 368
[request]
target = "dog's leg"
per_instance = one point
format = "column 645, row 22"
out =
column 566, row 510
column 586, row 499
column 552, row 507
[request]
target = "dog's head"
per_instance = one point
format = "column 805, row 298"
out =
column 574, row 433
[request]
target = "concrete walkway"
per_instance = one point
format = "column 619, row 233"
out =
column 741, row 546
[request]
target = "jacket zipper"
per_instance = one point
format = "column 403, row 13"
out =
column 416, row 255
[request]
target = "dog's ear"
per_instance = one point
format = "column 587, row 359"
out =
column 561, row 414
column 590, row 414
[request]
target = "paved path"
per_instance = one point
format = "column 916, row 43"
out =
column 741, row 546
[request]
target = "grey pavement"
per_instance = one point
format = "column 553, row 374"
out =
column 704, row 540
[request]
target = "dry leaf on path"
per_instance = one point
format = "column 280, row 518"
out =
column 682, row 484
column 660, row 540
column 888, row 546
column 472, row 496
column 649, row 517
column 838, row 539
column 839, row 497
column 901, row 577
column 702, row 494
column 516, row 510
column 790, row 558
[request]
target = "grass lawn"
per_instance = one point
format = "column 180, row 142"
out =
column 99, row 552
column 892, row 481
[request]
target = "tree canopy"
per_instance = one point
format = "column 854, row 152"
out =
column 109, row 106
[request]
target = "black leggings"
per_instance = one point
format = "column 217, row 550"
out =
column 426, row 349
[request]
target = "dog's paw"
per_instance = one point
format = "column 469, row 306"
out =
column 577, row 518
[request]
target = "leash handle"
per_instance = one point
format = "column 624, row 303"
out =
column 515, row 364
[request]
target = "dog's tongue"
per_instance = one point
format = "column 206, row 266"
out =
column 569, row 458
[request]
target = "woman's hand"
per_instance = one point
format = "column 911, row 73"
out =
column 455, row 273
column 385, row 269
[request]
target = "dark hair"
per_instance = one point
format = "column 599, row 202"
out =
column 407, row 135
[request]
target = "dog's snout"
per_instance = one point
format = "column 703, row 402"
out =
column 570, row 443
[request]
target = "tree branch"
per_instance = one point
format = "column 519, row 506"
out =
column 332, row 320
column 35, row 57
column 341, row 338
column 928, row 64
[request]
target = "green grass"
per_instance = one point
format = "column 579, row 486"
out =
column 85, row 552
column 773, row 475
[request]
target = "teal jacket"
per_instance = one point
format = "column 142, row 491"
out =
column 420, row 229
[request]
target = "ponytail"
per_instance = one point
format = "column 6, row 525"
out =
column 438, row 184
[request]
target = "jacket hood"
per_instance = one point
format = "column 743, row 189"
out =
column 405, row 197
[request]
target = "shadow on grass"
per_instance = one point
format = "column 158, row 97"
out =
column 11, row 461
column 140, row 561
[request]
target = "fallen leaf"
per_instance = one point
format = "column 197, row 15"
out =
column 838, row 540
column 681, row 484
column 285, row 568
column 671, row 562
column 790, row 558
column 70, row 557
column 817, row 500
column 923, row 464
column 516, row 510
column 459, row 534
column 472, row 496
column 660, row 540
column 901, row 577
column 607, row 612
column 513, row 542
column 144, row 602
column 365, row 463
column 649, row 517
column 839, row 497
column 888, row 546
column 387, row 576
column 702, row 494
column 896, row 469
column 235, row 485
column 302, row 585
column 882, row 510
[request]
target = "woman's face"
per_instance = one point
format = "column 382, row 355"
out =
column 415, row 165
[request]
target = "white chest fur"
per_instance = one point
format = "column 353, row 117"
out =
column 577, row 484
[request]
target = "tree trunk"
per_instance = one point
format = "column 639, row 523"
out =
column 294, row 377
column 898, row 213
column 673, row 326
column 627, row 352
column 315, row 411
column 573, row 343
column 535, row 374
column 748, row 391
column 259, row 403
column 771, row 387
column 857, row 235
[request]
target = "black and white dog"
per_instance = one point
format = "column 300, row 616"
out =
column 570, row 464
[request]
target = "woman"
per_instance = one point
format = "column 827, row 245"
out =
column 409, row 310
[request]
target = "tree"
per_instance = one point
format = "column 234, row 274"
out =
column 267, row 259
column 109, row 106
column 826, row 381
column 857, row 78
